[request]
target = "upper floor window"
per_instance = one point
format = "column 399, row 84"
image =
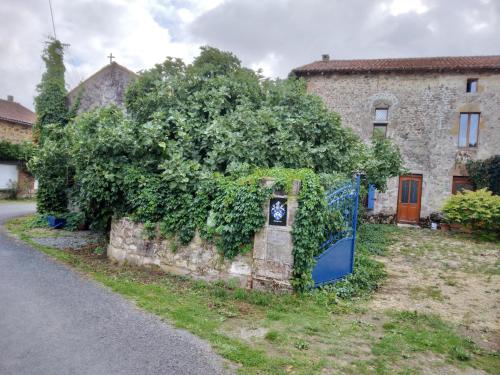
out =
column 469, row 128
column 472, row 85
column 380, row 122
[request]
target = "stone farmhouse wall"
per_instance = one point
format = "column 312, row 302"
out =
column 268, row 266
column 424, row 112
column 15, row 132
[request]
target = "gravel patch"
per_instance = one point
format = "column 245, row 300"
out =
column 75, row 241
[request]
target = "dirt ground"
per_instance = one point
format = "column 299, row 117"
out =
column 455, row 278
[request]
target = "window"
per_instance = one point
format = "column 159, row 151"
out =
column 380, row 123
column 469, row 127
column 472, row 85
column 461, row 183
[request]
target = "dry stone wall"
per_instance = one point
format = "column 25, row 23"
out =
column 14, row 132
column 268, row 266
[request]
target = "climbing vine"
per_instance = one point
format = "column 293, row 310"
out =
column 15, row 151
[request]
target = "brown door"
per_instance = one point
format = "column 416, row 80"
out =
column 410, row 192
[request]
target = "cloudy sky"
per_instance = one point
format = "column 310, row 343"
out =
column 274, row 35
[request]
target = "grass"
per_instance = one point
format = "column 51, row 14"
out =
column 408, row 335
column 325, row 331
column 432, row 292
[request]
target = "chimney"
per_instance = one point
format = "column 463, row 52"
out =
column 325, row 57
column 10, row 98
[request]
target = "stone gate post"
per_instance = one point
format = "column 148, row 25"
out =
column 273, row 245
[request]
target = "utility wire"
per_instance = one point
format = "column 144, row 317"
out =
column 52, row 16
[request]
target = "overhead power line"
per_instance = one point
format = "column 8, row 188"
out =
column 52, row 16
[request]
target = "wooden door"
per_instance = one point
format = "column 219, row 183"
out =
column 410, row 193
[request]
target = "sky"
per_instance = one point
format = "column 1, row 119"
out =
column 273, row 35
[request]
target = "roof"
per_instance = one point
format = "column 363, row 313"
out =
column 113, row 65
column 15, row 112
column 404, row 65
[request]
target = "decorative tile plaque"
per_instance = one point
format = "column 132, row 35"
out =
column 278, row 211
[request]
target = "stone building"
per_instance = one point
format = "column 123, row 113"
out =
column 106, row 86
column 440, row 111
column 16, row 123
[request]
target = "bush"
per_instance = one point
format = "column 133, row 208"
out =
column 15, row 151
column 480, row 209
column 486, row 173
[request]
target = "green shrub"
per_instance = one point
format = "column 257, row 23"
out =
column 15, row 151
column 74, row 220
column 486, row 173
column 37, row 221
column 480, row 209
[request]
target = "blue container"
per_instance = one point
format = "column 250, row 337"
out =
column 56, row 222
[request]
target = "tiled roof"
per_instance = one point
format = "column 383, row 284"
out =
column 15, row 112
column 406, row 65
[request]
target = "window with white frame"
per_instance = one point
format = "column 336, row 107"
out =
column 380, row 122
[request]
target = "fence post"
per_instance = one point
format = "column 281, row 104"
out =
column 355, row 220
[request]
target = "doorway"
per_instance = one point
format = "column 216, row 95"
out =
column 409, row 198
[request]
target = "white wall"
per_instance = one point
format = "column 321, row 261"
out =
column 8, row 174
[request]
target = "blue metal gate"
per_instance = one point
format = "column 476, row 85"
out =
column 337, row 252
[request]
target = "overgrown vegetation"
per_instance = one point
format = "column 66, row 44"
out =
column 50, row 163
column 479, row 209
column 486, row 173
column 20, row 152
column 187, row 154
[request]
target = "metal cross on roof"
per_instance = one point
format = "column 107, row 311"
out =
column 111, row 57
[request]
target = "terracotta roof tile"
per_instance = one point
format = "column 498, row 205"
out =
column 15, row 112
column 405, row 65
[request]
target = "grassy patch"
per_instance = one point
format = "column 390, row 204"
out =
column 409, row 335
column 432, row 292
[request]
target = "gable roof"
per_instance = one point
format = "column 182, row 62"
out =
column 14, row 112
column 404, row 65
column 111, row 66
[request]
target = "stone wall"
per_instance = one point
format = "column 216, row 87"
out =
column 14, row 132
column 105, row 87
column 424, row 112
column 268, row 266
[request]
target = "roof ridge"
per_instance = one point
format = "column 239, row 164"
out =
column 112, row 64
column 413, row 58
column 405, row 64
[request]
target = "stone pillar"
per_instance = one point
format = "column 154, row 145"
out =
column 273, row 246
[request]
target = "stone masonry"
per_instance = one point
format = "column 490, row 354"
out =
column 105, row 87
column 424, row 110
column 268, row 266
column 15, row 132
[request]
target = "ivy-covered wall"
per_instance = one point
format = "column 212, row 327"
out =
column 267, row 263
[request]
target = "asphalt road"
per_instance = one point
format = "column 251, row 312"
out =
column 54, row 321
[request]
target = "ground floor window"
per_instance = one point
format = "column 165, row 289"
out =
column 461, row 183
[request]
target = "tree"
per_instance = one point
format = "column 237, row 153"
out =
column 50, row 103
column 49, row 164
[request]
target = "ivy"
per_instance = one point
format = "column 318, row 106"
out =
column 486, row 173
column 308, row 229
column 50, row 162
column 15, row 151
column 237, row 215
